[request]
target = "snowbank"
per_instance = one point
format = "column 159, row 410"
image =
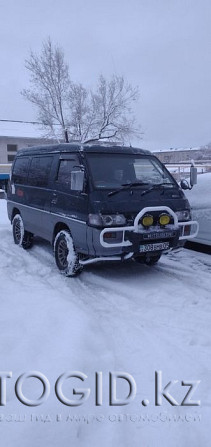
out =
column 200, row 195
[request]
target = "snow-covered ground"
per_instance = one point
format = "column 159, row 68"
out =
column 120, row 317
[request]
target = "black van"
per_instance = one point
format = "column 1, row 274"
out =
column 97, row 203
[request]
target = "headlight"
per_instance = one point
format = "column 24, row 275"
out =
column 106, row 220
column 183, row 216
column 113, row 219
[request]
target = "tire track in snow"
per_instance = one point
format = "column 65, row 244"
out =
column 116, row 312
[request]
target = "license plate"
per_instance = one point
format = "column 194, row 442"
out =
column 154, row 247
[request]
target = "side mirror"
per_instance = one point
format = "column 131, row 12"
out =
column 184, row 184
column 77, row 181
column 193, row 176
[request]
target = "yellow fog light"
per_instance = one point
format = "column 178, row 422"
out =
column 147, row 220
column 164, row 219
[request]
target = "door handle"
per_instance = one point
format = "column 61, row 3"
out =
column 54, row 200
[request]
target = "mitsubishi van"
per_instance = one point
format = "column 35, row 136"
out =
column 97, row 203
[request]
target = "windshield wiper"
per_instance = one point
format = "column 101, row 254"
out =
column 156, row 186
column 126, row 186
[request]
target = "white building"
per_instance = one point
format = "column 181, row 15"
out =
column 185, row 155
column 15, row 135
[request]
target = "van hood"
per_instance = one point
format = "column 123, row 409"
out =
column 131, row 202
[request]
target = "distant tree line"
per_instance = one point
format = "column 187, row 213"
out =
column 77, row 112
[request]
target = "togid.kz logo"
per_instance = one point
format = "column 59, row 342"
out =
column 81, row 394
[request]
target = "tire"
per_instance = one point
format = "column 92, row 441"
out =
column 148, row 260
column 21, row 237
column 66, row 257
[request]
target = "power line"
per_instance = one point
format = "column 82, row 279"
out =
column 18, row 121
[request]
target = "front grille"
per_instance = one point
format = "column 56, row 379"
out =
column 159, row 235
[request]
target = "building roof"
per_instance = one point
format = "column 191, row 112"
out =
column 177, row 149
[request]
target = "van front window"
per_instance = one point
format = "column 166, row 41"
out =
column 110, row 171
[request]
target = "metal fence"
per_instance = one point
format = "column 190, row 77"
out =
column 182, row 170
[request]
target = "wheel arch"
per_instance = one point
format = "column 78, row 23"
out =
column 59, row 227
column 14, row 212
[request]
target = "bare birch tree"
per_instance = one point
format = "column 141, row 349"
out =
column 50, row 83
column 110, row 114
column 84, row 115
column 79, row 111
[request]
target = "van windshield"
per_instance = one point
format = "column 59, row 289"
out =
column 111, row 171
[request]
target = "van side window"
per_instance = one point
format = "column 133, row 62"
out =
column 64, row 172
column 39, row 171
column 20, row 170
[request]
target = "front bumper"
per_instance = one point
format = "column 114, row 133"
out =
column 130, row 237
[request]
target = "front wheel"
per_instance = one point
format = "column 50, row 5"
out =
column 21, row 237
column 67, row 259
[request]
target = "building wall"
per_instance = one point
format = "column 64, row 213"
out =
column 184, row 155
column 10, row 145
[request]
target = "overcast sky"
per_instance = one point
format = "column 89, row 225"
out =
column 164, row 46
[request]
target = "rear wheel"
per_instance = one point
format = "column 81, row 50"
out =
column 67, row 259
column 21, row 237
